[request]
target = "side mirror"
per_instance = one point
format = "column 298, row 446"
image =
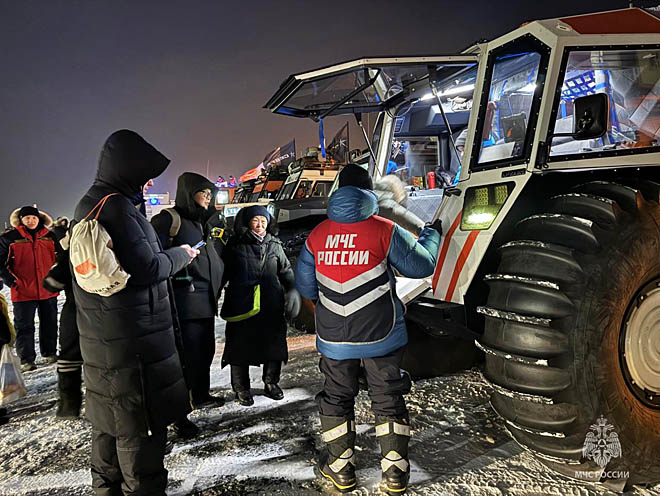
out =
column 591, row 115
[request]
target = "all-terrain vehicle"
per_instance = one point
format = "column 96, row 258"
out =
column 551, row 250
column 302, row 201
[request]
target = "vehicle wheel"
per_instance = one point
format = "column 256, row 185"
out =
column 429, row 355
column 572, row 333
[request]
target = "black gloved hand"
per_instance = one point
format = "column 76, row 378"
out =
column 51, row 284
column 436, row 224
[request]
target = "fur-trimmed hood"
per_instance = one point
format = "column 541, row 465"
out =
column 46, row 219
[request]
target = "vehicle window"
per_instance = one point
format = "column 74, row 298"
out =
column 289, row 186
column 509, row 106
column 321, row 93
column 414, row 161
column 322, row 188
column 304, row 189
column 287, row 191
column 631, row 80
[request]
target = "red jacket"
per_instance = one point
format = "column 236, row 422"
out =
column 26, row 261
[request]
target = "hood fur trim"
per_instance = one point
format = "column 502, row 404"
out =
column 15, row 221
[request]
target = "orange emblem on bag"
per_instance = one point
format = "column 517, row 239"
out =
column 85, row 267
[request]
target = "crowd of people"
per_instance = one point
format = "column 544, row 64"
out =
column 146, row 350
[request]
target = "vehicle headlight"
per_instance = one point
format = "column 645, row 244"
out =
column 482, row 204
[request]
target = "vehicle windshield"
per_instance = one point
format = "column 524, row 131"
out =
column 508, row 110
column 631, row 80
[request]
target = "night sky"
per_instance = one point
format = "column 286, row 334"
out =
column 192, row 76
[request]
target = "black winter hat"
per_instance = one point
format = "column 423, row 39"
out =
column 254, row 210
column 354, row 175
column 28, row 210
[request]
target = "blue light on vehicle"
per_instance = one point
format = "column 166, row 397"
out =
column 154, row 201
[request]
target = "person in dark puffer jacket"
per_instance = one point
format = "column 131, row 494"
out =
column 196, row 288
column 69, row 361
column 260, row 339
column 27, row 252
column 133, row 375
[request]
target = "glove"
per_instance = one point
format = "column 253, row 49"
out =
column 436, row 224
column 51, row 284
column 292, row 303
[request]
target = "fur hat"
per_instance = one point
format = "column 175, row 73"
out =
column 15, row 217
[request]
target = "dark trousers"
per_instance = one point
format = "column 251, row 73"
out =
column 24, row 324
column 132, row 466
column 70, row 358
column 387, row 385
column 240, row 375
column 198, row 352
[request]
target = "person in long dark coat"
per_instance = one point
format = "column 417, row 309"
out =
column 197, row 287
column 133, row 375
column 255, row 256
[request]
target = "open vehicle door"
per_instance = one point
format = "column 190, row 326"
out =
column 362, row 85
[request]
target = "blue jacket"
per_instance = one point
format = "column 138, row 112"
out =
column 415, row 259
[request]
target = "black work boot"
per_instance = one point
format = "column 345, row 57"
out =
column 185, row 428
column 393, row 435
column 70, row 400
column 338, row 464
column 240, row 383
column 271, row 377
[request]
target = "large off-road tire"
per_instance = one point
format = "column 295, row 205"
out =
column 572, row 333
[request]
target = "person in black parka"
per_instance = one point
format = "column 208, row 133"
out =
column 133, row 375
column 197, row 287
column 260, row 339
column 69, row 359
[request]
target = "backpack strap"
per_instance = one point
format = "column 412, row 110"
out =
column 98, row 207
column 176, row 223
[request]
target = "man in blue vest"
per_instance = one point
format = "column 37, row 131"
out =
column 346, row 267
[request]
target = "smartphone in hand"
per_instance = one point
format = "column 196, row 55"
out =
column 199, row 245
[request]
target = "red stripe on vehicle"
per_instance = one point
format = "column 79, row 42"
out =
column 462, row 258
column 445, row 248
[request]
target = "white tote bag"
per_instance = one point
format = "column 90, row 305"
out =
column 95, row 265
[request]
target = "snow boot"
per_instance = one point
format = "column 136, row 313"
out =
column 393, row 435
column 185, row 428
column 70, row 400
column 244, row 398
column 273, row 391
column 207, row 399
column 338, row 464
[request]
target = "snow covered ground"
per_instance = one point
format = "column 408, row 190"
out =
column 458, row 446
